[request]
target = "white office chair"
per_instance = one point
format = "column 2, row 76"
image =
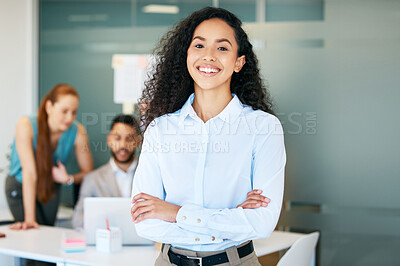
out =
column 301, row 252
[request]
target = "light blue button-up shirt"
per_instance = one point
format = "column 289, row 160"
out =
column 208, row 169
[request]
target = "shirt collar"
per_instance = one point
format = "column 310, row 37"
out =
column 187, row 109
column 232, row 110
column 229, row 114
column 116, row 169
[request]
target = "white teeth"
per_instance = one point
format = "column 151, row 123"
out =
column 208, row 70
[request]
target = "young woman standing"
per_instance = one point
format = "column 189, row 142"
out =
column 213, row 150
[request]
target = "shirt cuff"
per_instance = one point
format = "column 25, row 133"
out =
column 191, row 215
column 194, row 218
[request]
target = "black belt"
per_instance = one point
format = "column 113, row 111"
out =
column 182, row 260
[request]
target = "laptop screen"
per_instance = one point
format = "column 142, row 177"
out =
column 117, row 210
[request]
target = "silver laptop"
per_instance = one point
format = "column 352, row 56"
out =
column 117, row 211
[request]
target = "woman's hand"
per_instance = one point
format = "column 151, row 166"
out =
column 254, row 200
column 146, row 207
column 24, row 225
column 60, row 174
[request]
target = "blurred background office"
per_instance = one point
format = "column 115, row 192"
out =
column 333, row 68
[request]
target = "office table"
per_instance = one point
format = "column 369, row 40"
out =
column 64, row 213
column 45, row 244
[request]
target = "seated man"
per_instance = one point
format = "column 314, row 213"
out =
column 114, row 179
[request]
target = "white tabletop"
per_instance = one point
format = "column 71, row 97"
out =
column 41, row 244
column 45, row 244
column 63, row 212
column 5, row 215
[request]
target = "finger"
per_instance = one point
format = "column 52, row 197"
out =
column 141, row 196
column 259, row 197
column 144, row 216
column 264, row 204
column 256, row 197
column 250, row 201
column 140, row 204
column 15, row 226
column 254, row 204
column 250, row 197
column 254, row 191
column 250, row 206
column 134, row 209
column 141, row 211
column 261, row 203
column 27, row 226
column 138, row 197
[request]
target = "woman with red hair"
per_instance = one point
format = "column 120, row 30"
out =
column 42, row 146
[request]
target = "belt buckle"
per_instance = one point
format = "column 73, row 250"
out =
column 196, row 258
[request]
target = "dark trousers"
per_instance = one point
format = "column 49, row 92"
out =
column 46, row 214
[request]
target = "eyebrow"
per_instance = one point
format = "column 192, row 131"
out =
column 218, row 40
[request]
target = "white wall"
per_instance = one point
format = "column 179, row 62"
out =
column 17, row 74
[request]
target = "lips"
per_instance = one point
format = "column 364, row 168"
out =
column 67, row 125
column 208, row 70
column 122, row 152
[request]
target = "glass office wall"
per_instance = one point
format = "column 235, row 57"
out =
column 336, row 86
column 333, row 70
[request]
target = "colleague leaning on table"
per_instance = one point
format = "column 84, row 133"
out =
column 212, row 151
column 42, row 146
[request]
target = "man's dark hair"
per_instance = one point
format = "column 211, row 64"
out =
column 128, row 120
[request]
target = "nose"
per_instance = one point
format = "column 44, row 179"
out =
column 70, row 117
column 209, row 55
column 123, row 143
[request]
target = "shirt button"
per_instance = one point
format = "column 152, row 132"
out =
column 183, row 217
column 198, row 220
column 212, row 238
column 197, row 239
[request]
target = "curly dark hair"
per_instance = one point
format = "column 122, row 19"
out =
column 170, row 84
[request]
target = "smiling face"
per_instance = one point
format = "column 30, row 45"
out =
column 212, row 55
column 62, row 113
